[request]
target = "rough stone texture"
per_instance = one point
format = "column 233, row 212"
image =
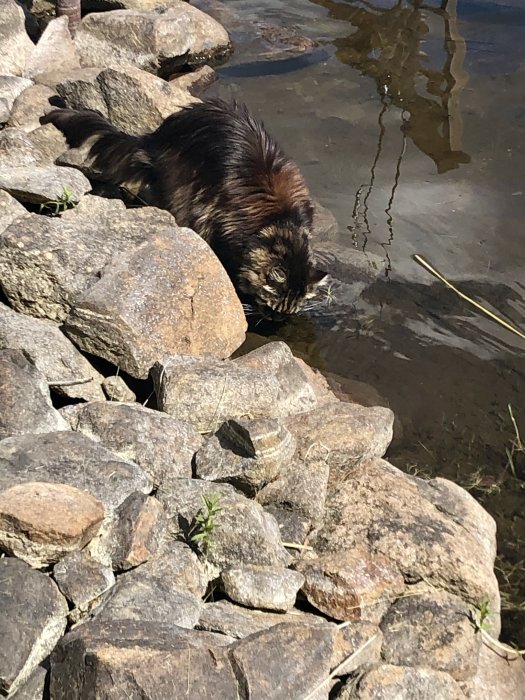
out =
column 10, row 88
column 10, row 210
column 319, row 383
column 70, row 458
column 29, row 106
column 432, row 630
column 163, row 446
column 17, row 150
column 51, row 352
column 82, row 580
column 132, row 99
column 132, row 659
column 116, row 389
column 342, row 434
column 150, row 599
column 196, row 81
column 246, row 453
column 285, row 661
column 48, row 141
column 46, row 263
column 351, row 585
column 187, row 305
column 155, row 42
column 38, row 185
column 55, row 50
column 497, row 677
column 380, row 508
column 178, row 566
column 32, row 620
column 266, row 587
column 387, row 682
column 244, row 532
column 35, row 686
column 140, row 526
column 294, row 528
column 42, row 522
column 266, row 383
column 351, row 639
column 16, row 46
column 24, row 398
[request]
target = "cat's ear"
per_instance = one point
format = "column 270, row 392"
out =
column 317, row 277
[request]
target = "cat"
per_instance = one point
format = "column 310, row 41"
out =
column 219, row 172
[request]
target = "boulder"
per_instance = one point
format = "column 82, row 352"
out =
column 29, row 106
column 15, row 45
column 55, row 50
column 187, row 305
column 24, row 397
column 32, row 620
column 49, row 142
column 163, row 446
column 10, row 210
column 42, row 522
column 17, row 151
column 52, row 354
column 178, row 566
column 266, row 383
column 294, row 528
column 157, row 42
column 74, row 459
column 35, row 687
column 499, row 676
column 44, row 184
column 10, row 88
column 116, row 389
column 266, row 587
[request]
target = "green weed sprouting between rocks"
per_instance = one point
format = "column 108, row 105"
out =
column 516, row 445
column 205, row 522
column 63, row 202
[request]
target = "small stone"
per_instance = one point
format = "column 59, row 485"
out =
column 44, row 184
column 351, row 585
column 138, row 530
column 116, row 389
column 82, row 580
column 32, row 620
column 266, row 587
column 196, row 81
column 24, row 397
column 55, row 48
column 41, row 522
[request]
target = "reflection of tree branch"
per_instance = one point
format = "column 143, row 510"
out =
column 388, row 210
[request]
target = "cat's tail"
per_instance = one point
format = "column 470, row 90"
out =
column 118, row 156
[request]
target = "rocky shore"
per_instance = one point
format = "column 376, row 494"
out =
column 243, row 535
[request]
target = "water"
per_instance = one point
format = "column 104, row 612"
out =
column 408, row 121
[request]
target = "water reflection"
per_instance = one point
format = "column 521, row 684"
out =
column 388, row 44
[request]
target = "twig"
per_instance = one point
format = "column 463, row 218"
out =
column 72, row 382
column 338, row 668
column 494, row 317
column 296, row 545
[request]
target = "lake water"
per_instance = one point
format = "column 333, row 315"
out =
column 408, row 121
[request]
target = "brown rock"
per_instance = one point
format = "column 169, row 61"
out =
column 140, row 526
column 41, row 522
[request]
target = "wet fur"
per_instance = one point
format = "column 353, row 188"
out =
column 217, row 170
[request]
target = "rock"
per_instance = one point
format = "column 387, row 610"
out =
column 116, row 389
column 499, row 676
column 138, row 531
column 380, row 508
column 324, row 224
column 51, row 353
column 126, row 659
column 35, row 687
column 39, row 279
column 293, row 527
column 48, row 141
column 29, row 106
column 243, row 533
column 388, row 682
column 431, row 630
column 32, row 620
column 143, row 5
column 16, row 46
column 10, row 210
column 266, row 383
column 83, row 581
column 55, row 49
column 245, row 453
column 351, row 585
column 44, row 184
column 150, row 599
column 342, row 434
column 285, row 661
column 17, row 151
column 24, row 397
column 131, row 99
column 42, row 522
column 188, row 305
column 267, row 587
column 360, row 640
column 157, row 42
column 178, row 566
column 74, row 459
column 163, row 446
column 10, row 88
column 319, row 383
column 195, row 81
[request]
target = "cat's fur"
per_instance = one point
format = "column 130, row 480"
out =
column 217, row 170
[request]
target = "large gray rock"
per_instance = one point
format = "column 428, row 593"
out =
column 51, row 352
column 188, row 305
column 132, row 99
column 74, row 459
column 163, row 446
column 44, row 184
column 178, row 566
column 266, row 587
column 10, row 88
column 15, row 46
column 388, row 682
column 32, row 620
column 55, row 49
column 154, row 41
column 17, row 150
column 266, row 383
column 24, row 398
column 132, row 659
column 29, row 106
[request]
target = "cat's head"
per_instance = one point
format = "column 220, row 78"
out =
column 277, row 273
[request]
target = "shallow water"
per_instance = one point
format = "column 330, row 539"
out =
column 408, row 120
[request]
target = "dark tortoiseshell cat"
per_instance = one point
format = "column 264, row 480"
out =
column 216, row 169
